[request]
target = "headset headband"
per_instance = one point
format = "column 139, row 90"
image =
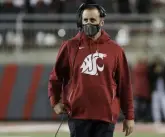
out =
column 86, row 6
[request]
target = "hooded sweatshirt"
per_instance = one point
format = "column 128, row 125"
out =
column 92, row 79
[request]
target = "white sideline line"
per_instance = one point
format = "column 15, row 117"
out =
column 13, row 136
column 33, row 128
column 52, row 127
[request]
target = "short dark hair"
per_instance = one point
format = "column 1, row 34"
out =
column 91, row 8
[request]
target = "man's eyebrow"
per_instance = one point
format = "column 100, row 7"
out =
column 90, row 18
column 93, row 18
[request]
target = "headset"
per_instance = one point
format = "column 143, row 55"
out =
column 86, row 6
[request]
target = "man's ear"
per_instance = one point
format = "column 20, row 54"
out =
column 102, row 22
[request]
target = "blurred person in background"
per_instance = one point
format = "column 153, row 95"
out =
column 58, row 6
column 141, row 89
column 41, row 6
column 124, row 6
column 12, row 6
column 90, row 80
column 143, row 6
column 157, row 84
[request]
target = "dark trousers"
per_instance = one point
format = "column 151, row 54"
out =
column 142, row 109
column 90, row 128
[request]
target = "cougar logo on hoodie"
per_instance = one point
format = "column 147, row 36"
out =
column 90, row 66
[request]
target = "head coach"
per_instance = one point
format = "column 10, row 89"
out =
column 90, row 80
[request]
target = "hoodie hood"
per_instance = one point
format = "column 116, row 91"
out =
column 94, row 45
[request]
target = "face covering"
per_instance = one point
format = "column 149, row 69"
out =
column 90, row 29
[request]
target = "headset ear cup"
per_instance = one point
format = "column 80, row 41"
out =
column 79, row 16
column 103, row 12
column 79, row 22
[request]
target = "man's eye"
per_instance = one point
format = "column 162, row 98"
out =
column 92, row 20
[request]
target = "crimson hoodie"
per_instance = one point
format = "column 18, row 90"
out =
column 92, row 79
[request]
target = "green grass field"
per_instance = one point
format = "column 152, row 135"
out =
column 49, row 129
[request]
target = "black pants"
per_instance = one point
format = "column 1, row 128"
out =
column 90, row 128
column 142, row 109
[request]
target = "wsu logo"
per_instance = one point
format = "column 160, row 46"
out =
column 90, row 66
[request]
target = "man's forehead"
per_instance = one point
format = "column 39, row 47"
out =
column 88, row 13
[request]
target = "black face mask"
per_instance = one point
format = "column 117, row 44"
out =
column 90, row 29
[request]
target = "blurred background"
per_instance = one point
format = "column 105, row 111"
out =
column 31, row 32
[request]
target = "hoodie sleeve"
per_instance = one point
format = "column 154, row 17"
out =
column 124, row 87
column 59, row 75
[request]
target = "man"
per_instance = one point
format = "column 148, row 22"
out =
column 157, row 84
column 91, row 81
column 141, row 90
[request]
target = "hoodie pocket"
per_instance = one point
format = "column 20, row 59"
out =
column 114, row 92
column 112, row 89
column 72, row 90
column 115, row 103
column 70, row 95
